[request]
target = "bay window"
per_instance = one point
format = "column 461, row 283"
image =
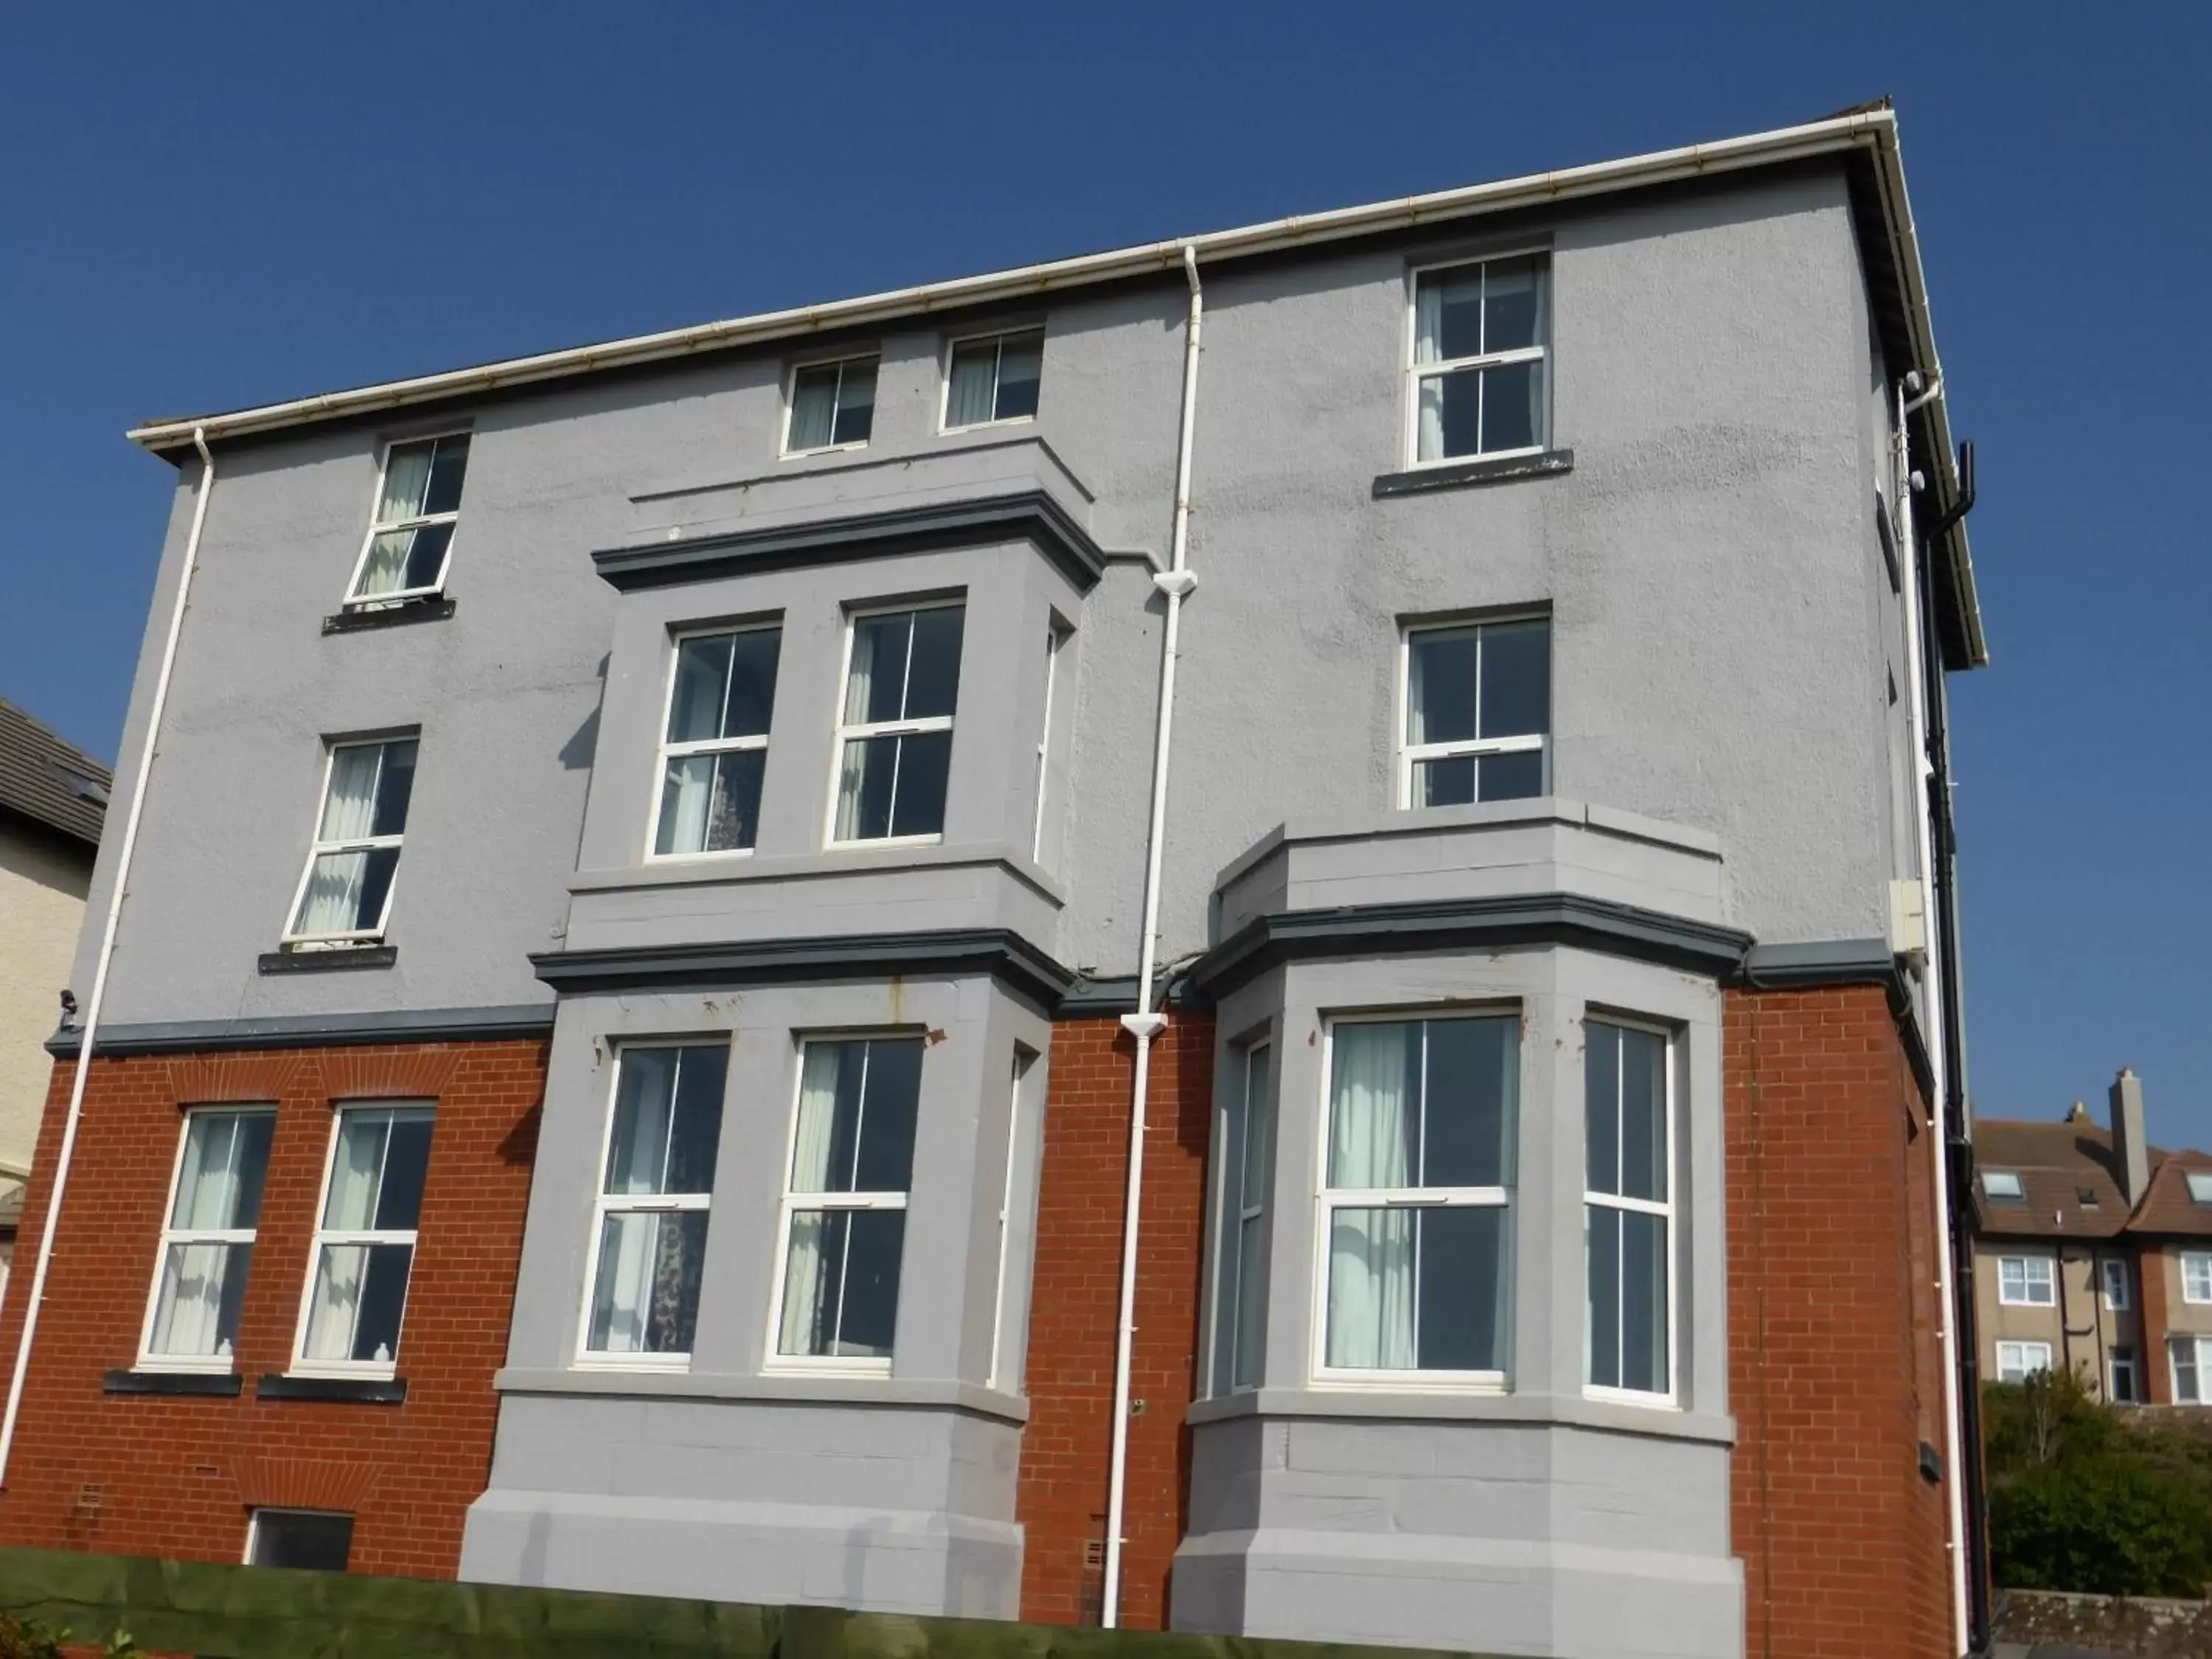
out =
column 1248, row 1135
column 894, row 733
column 713, row 751
column 1627, row 1216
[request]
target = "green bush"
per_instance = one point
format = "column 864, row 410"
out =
column 2089, row 1498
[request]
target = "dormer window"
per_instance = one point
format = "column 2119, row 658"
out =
column 2002, row 1187
column 2200, row 1187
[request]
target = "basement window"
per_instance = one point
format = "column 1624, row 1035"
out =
column 314, row 1540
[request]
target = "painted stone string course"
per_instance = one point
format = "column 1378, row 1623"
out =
column 642, row 1100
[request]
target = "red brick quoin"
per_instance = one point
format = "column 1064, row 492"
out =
column 1061, row 1497
column 139, row 1474
column 1835, row 1373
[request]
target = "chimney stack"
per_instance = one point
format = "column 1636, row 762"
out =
column 2130, row 1144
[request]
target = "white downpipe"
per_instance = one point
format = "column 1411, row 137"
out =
column 1932, row 991
column 122, row 879
column 1176, row 582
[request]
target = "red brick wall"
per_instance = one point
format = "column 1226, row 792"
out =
column 1061, row 1500
column 1834, row 1363
column 2154, row 1370
column 163, row 1475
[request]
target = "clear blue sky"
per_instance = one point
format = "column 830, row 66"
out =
column 205, row 207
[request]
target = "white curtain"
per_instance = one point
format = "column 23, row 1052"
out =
column 813, row 408
column 683, row 801
column 386, row 571
column 187, row 1316
column 331, row 903
column 336, row 1302
column 1371, row 1279
column 969, row 400
column 625, row 1286
column 351, row 1207
column 809, row 1172
column 406, row 477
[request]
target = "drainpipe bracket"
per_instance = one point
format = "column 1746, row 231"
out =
column 1176, row 584
column 1143, row 1027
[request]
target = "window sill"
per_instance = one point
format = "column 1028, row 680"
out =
column 356, row 1390
column 327, row 959
column 1420, row 1405
column 767, row 1389
column 1467, row 475
column 354, row 619
column 206, row 1384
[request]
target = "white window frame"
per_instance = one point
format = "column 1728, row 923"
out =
column 1024, row 1065
column 2196, row 1276
column 216, row 1364
column 2029, row 1278
column 840, row 363
column 2200, row 1349
column 1665, row 1212
column 2120, row 1360
column 1418, row 371
column 1411, row 754
column 1235, row 1206
column 605, row 1203
column 301, row 1364
column 998, row 360
column 847, row 734
column 356, row 600
column 1053, row 639
column 2023, row 1365
column 830, row 1364
column 666, row 751
column 317, row 848
column 1327, row 1198
column 2112, row 1280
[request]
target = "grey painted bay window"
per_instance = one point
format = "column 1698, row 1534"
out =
column 650, row 1228
column 1248, row 1147
column 721, row 697
column 345, row 892
column 1477, row 713
column 833, row 406
column 1480, row 371
column 1627, row 1218
column 410, row 536
column 1416, row 1207
column 365, row 1246
column 208, row 1244
column 894, row 734
column 844, row 1204
column 994, row 377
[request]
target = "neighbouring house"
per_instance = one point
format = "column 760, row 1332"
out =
column 53, row 797
column 1252, row 934
column 2093, row 1255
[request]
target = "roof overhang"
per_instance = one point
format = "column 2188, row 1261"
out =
column 1890, row 247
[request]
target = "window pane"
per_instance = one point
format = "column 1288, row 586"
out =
column 1512, row 406
column 700, row 687
column 646, row 1296
column 1462, row 1268
column 1602, row 1250
column 1513, row 293
column 1445, row 782
column 219, row 1184
column 841, row 1283
column 1517, row 679
column 1450, row 406
column 752, row 682
column 924, row 767
column 1251, row 1301
column 1643, row 1302
column 933, row 681
column 1513, row 777
column 885, row 1160
column 320, row 1543
column 1468, row 1123
column 349, row 804
column 404, row 559
column 711, row 802
column 1259, row 1116
column 406, row 477
column 1021, row 361
column 1370, row 1290
column 697, row 1131
column 1602, row 1106
column 813, row 406
column 1448, row 314
column 857, row 1106
column 1375, row 1104
column 361, row 1291
column 444, row 495
column 856, row 404
column 426, row 555
column 1440, row 682
column 876, row 690
column 395, row 786
column 1643, row 1115
column 202, row 1286
column 864, row 789
column 969, row 397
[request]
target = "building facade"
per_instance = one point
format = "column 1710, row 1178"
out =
column 2094, row 1254
column 53, row 797
column 1192, row 938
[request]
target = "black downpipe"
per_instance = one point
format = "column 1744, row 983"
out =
column 1957, row 1138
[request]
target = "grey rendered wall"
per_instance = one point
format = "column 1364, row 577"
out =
column 740, row 1476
